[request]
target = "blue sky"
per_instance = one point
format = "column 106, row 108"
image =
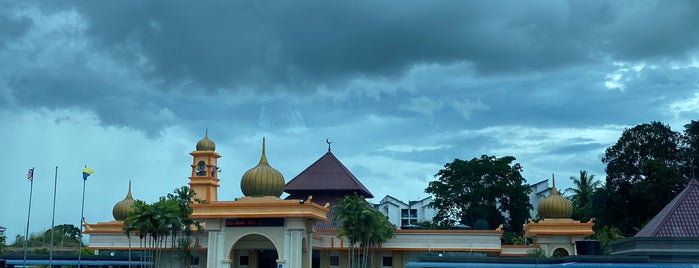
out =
column 129, row 87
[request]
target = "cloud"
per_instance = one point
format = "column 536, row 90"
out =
column 310, row 44
column 406, row 148
column 422, row 105
column 467, row 107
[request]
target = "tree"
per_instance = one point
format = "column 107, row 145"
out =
column 585, row 187
column 169, row 216
column 481, row 190
column 364, row 227
column 62, row 234
column 184, row 197
column 690, row 146
column 604, row 235
column 643, row 174
column 2, row 244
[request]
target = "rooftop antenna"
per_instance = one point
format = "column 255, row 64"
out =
column 328, row 142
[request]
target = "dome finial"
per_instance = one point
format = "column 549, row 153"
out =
column 263, row 159
column 554, row 190
column 328, row 142
column 128, row 194
column 206, row 132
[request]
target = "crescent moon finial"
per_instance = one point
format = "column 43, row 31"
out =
column 328, row 142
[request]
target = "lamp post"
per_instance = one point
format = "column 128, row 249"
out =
column 129, row 237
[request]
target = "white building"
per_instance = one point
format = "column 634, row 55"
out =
column 401, row 214
column 540, row 190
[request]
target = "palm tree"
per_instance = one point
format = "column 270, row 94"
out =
column 364, row 227
column 581, row 199
column 184, row 197
column 152, row 223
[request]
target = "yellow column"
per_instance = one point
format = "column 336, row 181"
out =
column 252, row 259
column 397, row 259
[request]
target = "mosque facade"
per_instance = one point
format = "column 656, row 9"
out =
column 262, row 230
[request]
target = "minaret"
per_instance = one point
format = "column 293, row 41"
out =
column 204, row 179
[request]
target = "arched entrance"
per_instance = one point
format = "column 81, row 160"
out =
column 254, row 251
column 560, row 252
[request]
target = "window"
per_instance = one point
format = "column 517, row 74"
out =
column 334, row 260
column 243, row 260
column 194, row 260
column 408, row 216
column 387, row 261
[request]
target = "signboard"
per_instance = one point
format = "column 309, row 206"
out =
column 255, row 222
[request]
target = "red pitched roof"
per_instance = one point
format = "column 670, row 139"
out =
column 679, row 218
column 326, row 175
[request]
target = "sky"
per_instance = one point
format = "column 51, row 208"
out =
column 129, row 87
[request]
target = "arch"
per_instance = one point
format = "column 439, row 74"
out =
column 560, row 252
column 255, row 250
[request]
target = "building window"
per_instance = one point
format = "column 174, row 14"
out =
column 334, row 260
column 243, row 260
column 408, row 216
column 387, row 261
column 194, row 260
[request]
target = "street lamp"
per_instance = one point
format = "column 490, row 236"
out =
column 129, row 237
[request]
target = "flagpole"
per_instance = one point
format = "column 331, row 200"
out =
column 30, row 176
column 53, row 216
column 82, row 211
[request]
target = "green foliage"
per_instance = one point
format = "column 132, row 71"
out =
column 41, row 251
column 2, row 244
column 510, row 238
column 431, row 225
column 85, row 251
column 604, row 235
column 481, row 189
column 690, row 147
column 582, row 195
column 169, row 216
column 536, row 253
column 364, row 227
column 19, row 241
column 643, row 175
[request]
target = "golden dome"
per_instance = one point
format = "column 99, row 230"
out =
column 206, row 144
column 123, row 208
column 555, row 206
column 263, row 179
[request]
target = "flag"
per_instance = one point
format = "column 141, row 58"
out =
column 87, row 172
column 30, row 174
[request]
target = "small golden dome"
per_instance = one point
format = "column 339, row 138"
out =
column 123, row 208
column 206, row 144
column 263, row 179
column 555, row 206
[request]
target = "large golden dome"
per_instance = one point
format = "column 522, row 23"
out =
column 206, row 144
column 263, row 179
column 123, row 208
column 555, row 206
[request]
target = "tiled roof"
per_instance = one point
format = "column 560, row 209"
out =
column 326, row 174
column 679, row 218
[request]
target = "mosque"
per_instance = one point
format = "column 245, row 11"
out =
column 262, row 230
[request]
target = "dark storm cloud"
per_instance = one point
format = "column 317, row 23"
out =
column 11, row 26
column 303, row 44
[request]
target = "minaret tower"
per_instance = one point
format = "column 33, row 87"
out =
column 204, row 179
